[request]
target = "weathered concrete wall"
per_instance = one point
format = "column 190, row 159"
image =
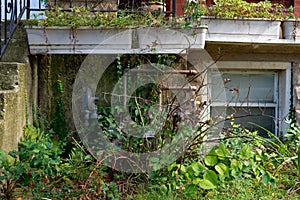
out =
column 18, row 51
column 296, row 86
column 12, row 104
column 65, row 68
column 16, row 83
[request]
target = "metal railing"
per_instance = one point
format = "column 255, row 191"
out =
column 100, row 5
column 11, row 13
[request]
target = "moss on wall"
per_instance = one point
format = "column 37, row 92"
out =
column 15, row 90
column 13, row 107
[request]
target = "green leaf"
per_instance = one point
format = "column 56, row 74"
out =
column 206, row 184
column 191, row 191
column 172, row 166
column 156, row 166
column 13, row 154
column 182, row 168
column 196, row 181
column 165, row 158
column 222, row 169
column 211, row 176
column 222, row 152
column 235, row 168
column 211, row 158
column 245, row 152
column 234, row 164
column 2, row 155
column 265, row 179
column 154, row 159
column 197, row 168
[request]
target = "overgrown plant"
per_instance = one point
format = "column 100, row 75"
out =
column 59, row 118
column 139, row 103
column 238, row 9
column 81, row 16
column 33, row 167
column 38, row 170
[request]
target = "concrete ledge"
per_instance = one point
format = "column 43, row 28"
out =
column 110, row 40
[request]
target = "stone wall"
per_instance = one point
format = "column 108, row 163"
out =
column 16, row 90
column 296, row 86
column 17, row 52
column 12, row 104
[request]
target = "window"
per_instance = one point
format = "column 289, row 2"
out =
column 253, row 97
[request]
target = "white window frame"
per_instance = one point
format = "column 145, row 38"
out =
column 282, row 87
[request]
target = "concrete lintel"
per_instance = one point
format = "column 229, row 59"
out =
column 239, row 41
column 93, row 50
column 253, row 65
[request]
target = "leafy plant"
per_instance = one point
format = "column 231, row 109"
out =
column 59, row 119
column 194, row 11
column 81, row 16
column 241, row 155
column 238, row 9
column 32, row 167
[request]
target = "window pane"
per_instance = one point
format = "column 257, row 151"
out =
column 243, row 115
column 244, row 87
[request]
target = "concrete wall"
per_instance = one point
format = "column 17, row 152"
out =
column 65, row 68
column 50, row 69
column 34, row 77
column 296, row 86
column 16, row 84
column 12, row 104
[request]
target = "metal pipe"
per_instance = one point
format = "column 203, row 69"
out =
column 174, row 8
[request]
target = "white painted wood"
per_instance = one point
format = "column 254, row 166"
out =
column 282, row 87
column 284, row 93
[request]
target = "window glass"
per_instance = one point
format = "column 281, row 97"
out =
column 249, row 117
column 245, row 87
column 250, row 99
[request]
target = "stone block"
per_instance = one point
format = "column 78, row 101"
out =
column 12, row 105
column 296, row 74
column 298, row 115
column 8, row 76
column 297, row 92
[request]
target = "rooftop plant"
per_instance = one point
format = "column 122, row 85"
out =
column 238, row 9
column 82, row 16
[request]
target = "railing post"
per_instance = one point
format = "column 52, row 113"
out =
column 1, row 26
column 5, row 21
column 10, row 17
column 174, row 8
column 28, row 9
